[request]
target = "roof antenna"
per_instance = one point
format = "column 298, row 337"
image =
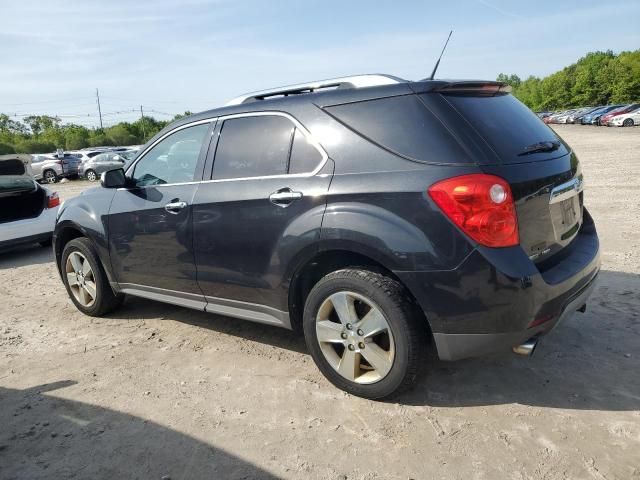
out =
column 433, row 74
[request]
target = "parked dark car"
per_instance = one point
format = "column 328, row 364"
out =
column 369, row 216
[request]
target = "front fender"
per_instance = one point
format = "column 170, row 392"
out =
column 86, row 214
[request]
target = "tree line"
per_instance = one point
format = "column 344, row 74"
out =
column 598, row 78
column 45, row 134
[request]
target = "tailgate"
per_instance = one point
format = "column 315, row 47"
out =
column 549, row 203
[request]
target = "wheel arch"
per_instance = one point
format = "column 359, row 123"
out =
column 325, row 262
column 65, row 232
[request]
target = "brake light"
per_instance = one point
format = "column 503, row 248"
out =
column 481, row 206
column 53, row 200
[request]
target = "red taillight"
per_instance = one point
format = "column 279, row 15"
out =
column 481, row 205
column 53, row 200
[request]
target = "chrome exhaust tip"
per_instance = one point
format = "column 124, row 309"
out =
column 526, row 349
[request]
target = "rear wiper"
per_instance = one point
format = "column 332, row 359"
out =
column 540, row 147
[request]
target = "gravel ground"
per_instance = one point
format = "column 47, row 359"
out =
column 157, row 391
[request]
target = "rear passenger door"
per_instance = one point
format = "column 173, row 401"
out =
column 261, row 210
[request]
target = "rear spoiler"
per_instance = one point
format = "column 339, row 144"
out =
column 465, row 87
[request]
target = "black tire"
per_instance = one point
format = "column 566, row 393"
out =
column 405, row 324
column 628, row 122
column 91, row 175
column 106, row 300
column 49, row 176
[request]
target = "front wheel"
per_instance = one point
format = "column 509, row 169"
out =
column 86, row 280
column 628, row 122
column 363, row 333
column 91, row 175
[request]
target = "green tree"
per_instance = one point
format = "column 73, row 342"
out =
column 35, row 146
column 6, row 149
column 40, row 123
column 76, row 137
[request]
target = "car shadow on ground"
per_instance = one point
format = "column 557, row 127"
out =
column 45, row 436
column 24, row 255
column 588, row 362
column 136, row 308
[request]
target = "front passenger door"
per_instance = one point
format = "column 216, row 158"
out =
column 150, row 223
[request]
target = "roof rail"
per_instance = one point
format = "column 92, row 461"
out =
column 355, row 81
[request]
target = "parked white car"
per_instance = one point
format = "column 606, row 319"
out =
column 626, row 119
column 27, row 210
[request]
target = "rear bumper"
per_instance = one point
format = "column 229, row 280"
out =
column 457, row 346
column 498, row 298
column 30, row 230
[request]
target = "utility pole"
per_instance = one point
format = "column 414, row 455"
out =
column 99, row 111
column 142, row 123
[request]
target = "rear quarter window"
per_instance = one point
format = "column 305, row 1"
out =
column 404, row 126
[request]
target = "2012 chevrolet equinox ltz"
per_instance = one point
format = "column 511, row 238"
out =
column 377, row 215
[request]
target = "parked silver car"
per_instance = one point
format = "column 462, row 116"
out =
column 46, row 168
column 51, row 167
column 93, row 168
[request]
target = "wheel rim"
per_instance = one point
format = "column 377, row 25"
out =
column 50, row 177
column 355, row 337
column 628, row 122
column 91, row 175
column 81, row 279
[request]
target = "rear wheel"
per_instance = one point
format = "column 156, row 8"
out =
column 50, row 176
column 363, row 333
column 85, row 279
column 628, row 122
column 91, row 175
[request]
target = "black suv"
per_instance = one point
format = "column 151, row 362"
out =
column 377, row 215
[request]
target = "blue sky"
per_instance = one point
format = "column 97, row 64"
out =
column 176, row 55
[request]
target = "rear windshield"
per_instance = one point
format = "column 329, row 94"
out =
column 507, row 125
column 404, row 126
column 12, row 167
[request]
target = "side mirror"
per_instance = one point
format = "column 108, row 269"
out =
column 113, row 179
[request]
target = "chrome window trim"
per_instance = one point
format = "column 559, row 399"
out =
column 310, row 138
column 298, row 125
column 171, row 132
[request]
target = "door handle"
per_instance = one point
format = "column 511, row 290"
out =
column 283, row 198
column 175, row 207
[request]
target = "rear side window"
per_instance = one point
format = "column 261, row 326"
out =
column 507, row 125
column 402, row 125
column 253, row 147
column 263, row 145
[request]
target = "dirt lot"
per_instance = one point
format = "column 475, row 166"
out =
column 156, row 391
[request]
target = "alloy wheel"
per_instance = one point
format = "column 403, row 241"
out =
column 91, row 176
column 355, row 337
column 81, row 279
column 628, row 122
column 49, row 176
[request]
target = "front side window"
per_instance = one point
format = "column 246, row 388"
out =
column 172, row 160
